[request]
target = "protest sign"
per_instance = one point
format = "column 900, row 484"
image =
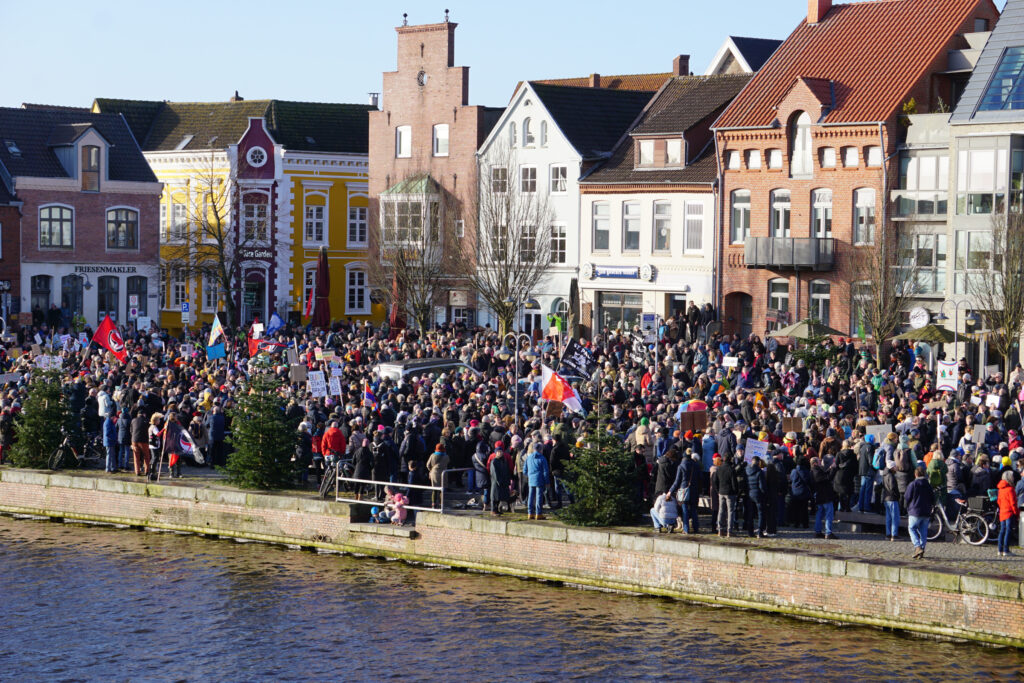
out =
column 755, row 449
column 318, row 353
column 992, row 400
column 317, row 384
column 730, row 362
column 879, row 431
column 335, row 385
column 948, row 377
column 792, row 424
column 297, row 373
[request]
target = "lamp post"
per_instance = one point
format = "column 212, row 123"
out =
column 507, row 352
column 957, row 303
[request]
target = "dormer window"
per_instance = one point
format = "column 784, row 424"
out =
column 90, row 168
column 673, row 152
column 12, row 149
column 647, row 152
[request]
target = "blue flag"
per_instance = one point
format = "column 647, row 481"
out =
column 215, row 351
column 274, row 324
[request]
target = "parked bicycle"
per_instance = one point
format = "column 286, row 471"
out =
column 66, row 456
column 968, row 525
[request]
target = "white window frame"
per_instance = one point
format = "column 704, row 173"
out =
column 322, row 220
column 674, row 145
column 247, row 219
column 753, row 159
column 543, row 133
column 646, row 153
column 814, row 299
column 559, row 179
column 403, row 142
column 308, row 284
column 512, row 134
column 631, row 215
column 821, row 212
column 600, row 222
column 178, row 290
column 772, row 295
column 859, row 203
column 801, row 160
column 693, row 227
column 827, row 157
column 559, row 236
column 39, row 233
column 358, row 226
column 851, row 157
column 440, row 142
column 733, row 232
column 460, row 228
column 873, row 156
column 210, row 285
column 732, row 160
column 659, row 220
column 528, row 138
column 778, row 205
column 774, row 156
column 177, row 228
column 528, row 179
column 353, row 269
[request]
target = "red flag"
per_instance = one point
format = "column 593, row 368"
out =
column 309, row 303
column 109, row 338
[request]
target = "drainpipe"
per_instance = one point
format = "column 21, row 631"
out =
column 716, row 273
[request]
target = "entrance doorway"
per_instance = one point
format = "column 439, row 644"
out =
column 739, row 313
column 254, row 297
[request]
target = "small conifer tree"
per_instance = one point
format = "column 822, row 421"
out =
column 37, row 429
column 263, row 438
column 603, row 479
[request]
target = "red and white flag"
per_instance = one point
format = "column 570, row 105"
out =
column 554, row 387
column 109, row 338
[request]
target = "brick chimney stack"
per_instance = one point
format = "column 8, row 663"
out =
column 595, row 80
column 817, row 9
column 236, row 97
column 681, row 65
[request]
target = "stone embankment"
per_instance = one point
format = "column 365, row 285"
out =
column 987, row 609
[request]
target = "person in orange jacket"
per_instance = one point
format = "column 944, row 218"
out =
column 1008, row 511
column 333, row 443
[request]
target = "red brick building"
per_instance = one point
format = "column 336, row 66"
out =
column 806, row 152
column 89, row 241
column 426, row 129
column 10, row 249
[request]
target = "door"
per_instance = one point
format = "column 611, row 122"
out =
column 254, row 297
column 106, row 297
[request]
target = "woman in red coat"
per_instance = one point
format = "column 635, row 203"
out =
column 1008, row 511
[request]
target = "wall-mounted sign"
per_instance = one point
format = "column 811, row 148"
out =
column 626, row 272
column 106, row 269
column 256, row 253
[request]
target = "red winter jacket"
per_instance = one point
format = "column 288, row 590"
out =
column 1007, row 501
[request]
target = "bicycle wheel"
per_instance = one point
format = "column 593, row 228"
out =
column 328, row 481
column 57, row 459
column 973, row 528
column 935, row 525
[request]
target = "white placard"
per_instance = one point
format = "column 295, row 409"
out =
column 992, row 400
column 39, row 340
column 880, row 431
column 731, row 362
column 755, row 449
column 257, row 330
column 143, row 323
column 337, row 370
column 317, row 383
column 976, row 400
column 335, row 386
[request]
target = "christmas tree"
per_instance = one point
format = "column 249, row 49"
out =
column 603, row 479
column 37, row 432
column 263, row 438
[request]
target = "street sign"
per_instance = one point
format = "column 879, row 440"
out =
column 649, row 325
column 133, row 300
column 133, row 313
column 185, row 308
column 186, row 315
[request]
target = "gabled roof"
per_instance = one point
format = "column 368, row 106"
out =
column 873, row 51
column 298, row 126
column 643, row 82
column 591, row 119
column 33, row 130
column 687, row 100
column 755, row 51
column 682, row 105
column 1007, row 34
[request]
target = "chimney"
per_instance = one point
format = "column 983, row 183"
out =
column 236, row 97
column 374, row 99
column 595, row 80
column 681, row 65
column 817, row 9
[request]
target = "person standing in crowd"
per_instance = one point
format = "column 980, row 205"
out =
column 725, row 484
column 919, row 500
column 537, row 473
column 1008, row 511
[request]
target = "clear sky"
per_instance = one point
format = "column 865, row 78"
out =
column 69, row 52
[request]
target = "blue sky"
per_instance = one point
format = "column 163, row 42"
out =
column 326, row 51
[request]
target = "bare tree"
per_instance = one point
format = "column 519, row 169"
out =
column 998, row 289
column 415, row 234
column 884, row 286
column 512, row 244
column 206, row 247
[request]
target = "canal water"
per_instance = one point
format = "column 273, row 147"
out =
column 100, row 604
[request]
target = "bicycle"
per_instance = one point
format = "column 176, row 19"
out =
column 968, row 525
column 67, row 457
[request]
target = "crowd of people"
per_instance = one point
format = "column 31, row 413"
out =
column 874, row 437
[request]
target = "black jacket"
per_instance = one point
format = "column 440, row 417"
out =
column 725, row 479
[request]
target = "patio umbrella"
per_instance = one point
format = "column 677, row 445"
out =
column 322, row 305
column 931, row 333
column 807, row 329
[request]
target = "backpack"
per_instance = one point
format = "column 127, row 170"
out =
column 878, row 462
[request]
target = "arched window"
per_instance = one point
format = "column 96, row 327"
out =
column 800, row 162
column 122, row 229
column 512, row 134
column 821, row 292
column 543, row 133
column 780, row 213
column 821, row 221
column 739, row 227
column 56, row 227
column 527, row 133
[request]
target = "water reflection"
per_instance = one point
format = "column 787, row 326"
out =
column 84, row 603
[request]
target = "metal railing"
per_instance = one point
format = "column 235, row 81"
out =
column 398, row 485
column 815, row 253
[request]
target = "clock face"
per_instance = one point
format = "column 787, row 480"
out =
column 919, row 317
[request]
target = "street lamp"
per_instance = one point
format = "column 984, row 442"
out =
column 972, row 316
column 506, row 352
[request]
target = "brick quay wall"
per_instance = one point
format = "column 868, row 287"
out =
column 852, row 591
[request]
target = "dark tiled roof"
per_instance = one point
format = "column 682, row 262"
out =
column 1008, row 33
column 682, row 105
column 491, row 117
column 755, row 50
column 300, row 126
column 66, row 133
column 686, row 100
column 873, row 51
column 138, row 113
column 31, row 131
column 5, row 196
column 642, row 82
column 53, row 107
column 593, row 119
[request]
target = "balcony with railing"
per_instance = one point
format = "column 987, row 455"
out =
column 790, row 253
column 920, row 204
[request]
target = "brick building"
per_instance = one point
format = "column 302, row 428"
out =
column 426, row 129
column 89, row 205
column 10, row 249
column 807, row 152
